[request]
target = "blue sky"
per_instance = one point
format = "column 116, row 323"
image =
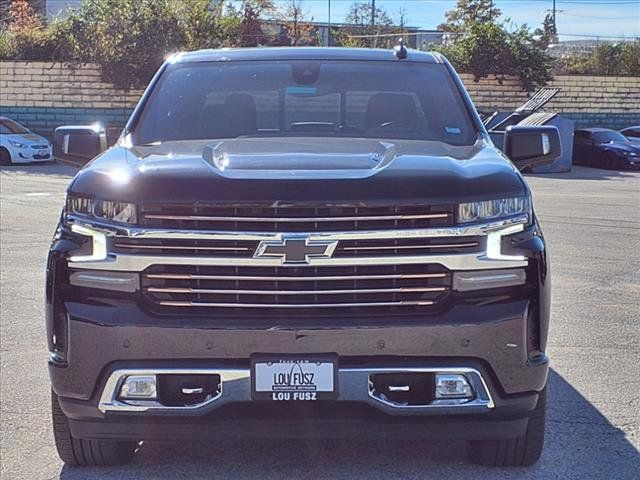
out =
column 604, row 18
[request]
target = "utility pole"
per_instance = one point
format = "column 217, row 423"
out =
column 373, row 13
column 373, row 22
column 329, row 23
column 555, row 25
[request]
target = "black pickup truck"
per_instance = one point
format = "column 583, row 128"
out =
column 300, row 242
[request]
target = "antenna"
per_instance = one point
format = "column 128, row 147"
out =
column 400, row 50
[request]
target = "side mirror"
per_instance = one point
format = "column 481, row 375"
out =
column 79, row 143
column 529, row 147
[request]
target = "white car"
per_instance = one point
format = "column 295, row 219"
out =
column 18, row 144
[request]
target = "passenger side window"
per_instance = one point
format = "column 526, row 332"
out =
column 582, row 138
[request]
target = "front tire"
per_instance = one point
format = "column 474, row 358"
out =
column 5, row 157
column 514, row 452
column 86, row 453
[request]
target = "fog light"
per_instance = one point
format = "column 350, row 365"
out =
column 452, row 386
column 137, row 387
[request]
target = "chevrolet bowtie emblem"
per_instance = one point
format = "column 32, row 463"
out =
column 295, row 249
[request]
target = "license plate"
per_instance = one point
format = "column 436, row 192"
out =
column 294, row 379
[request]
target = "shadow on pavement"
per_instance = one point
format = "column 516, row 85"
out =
column 581, row 444
column 586, row 173
column 39, row 169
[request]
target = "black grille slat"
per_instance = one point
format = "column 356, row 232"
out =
column 164, row 246
column 295, row 218
column 408, row 246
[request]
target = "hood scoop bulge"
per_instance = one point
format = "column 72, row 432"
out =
column 298, row 158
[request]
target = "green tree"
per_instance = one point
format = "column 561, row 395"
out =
column 614, row 59
column 469, row 12
column 360, row 15
column 360, row 32
column 548, row 34
column 527, row 60
column 128, row 38
column 488, row 49
column 296, row 22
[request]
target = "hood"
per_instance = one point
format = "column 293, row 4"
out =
column 622, row 146
column 315, row 170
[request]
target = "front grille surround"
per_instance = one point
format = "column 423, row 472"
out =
column 370, row 273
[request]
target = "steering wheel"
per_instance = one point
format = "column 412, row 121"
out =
column 393, row 125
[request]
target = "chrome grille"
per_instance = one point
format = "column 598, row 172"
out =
column 374, row 289
column 408, row 246
column 250, row 218
column 167, row 246
column 346, row 248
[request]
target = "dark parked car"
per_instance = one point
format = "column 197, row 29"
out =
column 604, row 148
column 301, row 242
column 632, row 134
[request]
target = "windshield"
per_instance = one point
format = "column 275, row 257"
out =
column 364, row 99
column 606, row 137
column 8, row 127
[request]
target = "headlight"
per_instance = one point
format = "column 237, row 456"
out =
column 494, row 209
column 121, row 212
column 17, row 144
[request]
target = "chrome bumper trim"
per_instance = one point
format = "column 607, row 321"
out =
column 401, row 303
column 353, row 386
column 139, row 263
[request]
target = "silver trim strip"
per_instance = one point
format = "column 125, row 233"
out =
column 411, row 247
column 293, row 292
column 188, row 276
column 354, row 384
column 139, row 263
column 405, row 303
column 294, row 219
column 178, row 247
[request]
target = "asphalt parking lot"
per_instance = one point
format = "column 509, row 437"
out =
column 591, row 220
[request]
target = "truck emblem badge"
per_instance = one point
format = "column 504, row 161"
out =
column 298, row 249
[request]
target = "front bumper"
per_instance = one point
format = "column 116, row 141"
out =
column 494, row 335
column 499, row 334
column 29, row 155
column 489, row 340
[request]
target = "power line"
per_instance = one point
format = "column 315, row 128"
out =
column 611, row 37
column 595, row 17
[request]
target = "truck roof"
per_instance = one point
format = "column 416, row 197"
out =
column 303, row 53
